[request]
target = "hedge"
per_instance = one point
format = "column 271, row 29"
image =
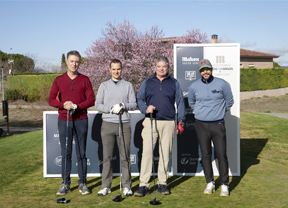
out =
column 29, row 87
column 252, row 79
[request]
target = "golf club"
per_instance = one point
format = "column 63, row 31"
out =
column 154, row 201
column 84, row 173
column 63, row 199
column 119, row 197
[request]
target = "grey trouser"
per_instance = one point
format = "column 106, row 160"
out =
column 164, row 131
column 110, row 133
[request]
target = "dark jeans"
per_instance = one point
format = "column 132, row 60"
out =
column 77, row 129
column 110, row 134
column 215, row 132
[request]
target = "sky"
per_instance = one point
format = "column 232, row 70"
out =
column 44, row 30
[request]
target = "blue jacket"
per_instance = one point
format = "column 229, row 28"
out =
column 163, row 95
column 210, row 100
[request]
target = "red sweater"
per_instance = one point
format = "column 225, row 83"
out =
column 79, row 91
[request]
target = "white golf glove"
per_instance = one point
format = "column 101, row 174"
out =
column 117, row 108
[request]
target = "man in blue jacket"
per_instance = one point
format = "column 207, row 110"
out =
column 157, row 96
column 210, row 98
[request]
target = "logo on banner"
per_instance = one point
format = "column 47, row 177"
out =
column 190, row 75
column 220, row 59
column 88, row 162
column 189, row 161
column 189, row 60
column 58, row 160
column 133, row 159
column 56, row 136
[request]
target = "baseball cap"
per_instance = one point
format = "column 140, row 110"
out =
column 204, row 63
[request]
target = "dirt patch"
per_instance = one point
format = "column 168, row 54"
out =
column 266, row 104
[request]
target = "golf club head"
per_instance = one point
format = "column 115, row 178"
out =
column 62, row 200
column 117, row 198
column 155, row 202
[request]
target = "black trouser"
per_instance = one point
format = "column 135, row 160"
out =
column 77, row 129
column 215, row 132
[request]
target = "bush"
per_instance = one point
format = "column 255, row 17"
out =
column 262, row 79
column 15, row 94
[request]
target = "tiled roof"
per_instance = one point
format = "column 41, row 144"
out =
column 248, row 53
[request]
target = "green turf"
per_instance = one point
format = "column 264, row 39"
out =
column 263, row 180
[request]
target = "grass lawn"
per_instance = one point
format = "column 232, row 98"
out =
column 263, row 180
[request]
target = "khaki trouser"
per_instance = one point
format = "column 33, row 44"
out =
column 164, row 131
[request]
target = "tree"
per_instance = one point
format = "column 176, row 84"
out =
column 63, row 63
column 135, row 49
column 21, row 63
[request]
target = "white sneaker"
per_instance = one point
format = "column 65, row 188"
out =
column 127, row 192
column 224, row 190
column 210, row 188
column 104, row 191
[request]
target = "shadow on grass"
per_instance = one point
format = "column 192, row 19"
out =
column 97, row 182
column 171, row 182
column 250, row 149
column 176, row 181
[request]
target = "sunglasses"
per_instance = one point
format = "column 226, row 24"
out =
column 204, row 69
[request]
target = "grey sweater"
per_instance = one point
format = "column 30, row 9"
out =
column 110, row 94
column 210, row 100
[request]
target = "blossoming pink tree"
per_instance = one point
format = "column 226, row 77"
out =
column 136, row 50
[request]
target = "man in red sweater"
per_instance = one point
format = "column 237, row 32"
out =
column 72, row 92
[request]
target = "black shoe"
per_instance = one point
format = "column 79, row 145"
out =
column 162, row 189
column 142, row 191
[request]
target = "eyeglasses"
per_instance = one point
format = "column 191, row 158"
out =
column 204, row 69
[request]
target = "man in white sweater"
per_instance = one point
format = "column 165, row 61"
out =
column 115, row 97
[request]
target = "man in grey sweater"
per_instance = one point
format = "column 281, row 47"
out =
column 115, row 97
column 210, row 98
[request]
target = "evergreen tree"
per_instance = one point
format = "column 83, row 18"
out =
column 63, row 63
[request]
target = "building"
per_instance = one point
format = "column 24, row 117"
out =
column 253, row 59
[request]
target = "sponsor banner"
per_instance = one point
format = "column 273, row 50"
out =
column 52, row 154
column 225, row 59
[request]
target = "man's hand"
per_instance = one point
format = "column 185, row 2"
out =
column 71, row 107
column 179, row 128
column 117, row 109
column 150, row 109
column 68, row 105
